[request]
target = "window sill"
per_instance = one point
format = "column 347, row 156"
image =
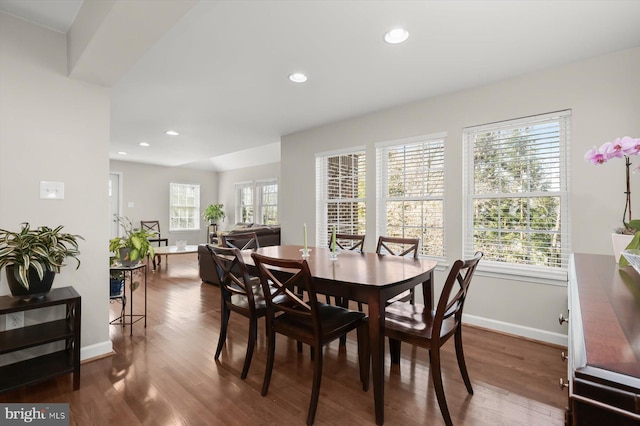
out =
column 512, row 272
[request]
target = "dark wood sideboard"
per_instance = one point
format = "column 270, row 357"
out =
column 604, row 342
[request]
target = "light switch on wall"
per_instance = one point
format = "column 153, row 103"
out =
column 51, row 190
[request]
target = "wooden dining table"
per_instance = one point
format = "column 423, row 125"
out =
column 363, row 277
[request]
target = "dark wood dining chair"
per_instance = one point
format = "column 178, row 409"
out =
column 349, row 242
column 411, row 323
column 398, row 246
column 308, row 321
column 352, row 242
column 240, row 293
column 241, row 241
column 153, row 227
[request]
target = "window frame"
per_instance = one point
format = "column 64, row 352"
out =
column 323, row 200
column 382, row 189
column 516, row 271
column 257, row 197
column 173, row 204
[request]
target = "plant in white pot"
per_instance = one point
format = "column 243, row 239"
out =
column 213, row 213
column 623, row 148
column 32, row 257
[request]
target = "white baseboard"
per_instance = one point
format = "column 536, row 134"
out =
column 518, row 330
column 95, row 351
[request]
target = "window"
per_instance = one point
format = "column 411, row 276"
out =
column 184, row 207
column 340, row 194
column 245, row 202
column 411, row 191
column 516, row 194
column 267, row 205
column 259, row 197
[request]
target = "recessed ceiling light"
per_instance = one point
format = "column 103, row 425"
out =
column 396, row 35
column 143, row 144
column 297, row 77
column 122, row 153
column 172, row 133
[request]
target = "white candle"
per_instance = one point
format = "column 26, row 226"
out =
column 333, row 239
column 304, row 229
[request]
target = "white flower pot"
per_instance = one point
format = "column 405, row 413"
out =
column 620, row 242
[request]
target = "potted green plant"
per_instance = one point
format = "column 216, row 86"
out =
column 213, row 213
column 133, row 246
column 33, row 257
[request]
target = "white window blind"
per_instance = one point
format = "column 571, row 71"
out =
column 340, row 194
column 184, row 207
column 410, row 190
column 516, row 180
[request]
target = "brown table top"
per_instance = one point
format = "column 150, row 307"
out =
column 609, row 300
column 360, row 269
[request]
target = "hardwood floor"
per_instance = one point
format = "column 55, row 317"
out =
column 165, row 374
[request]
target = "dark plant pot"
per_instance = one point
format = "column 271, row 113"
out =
column 116, row 285
column 124, row 258
column 37, row 287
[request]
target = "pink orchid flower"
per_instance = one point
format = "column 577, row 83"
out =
column 630, row 146
column 595, row 157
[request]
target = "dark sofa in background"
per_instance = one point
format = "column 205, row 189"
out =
column 267, row 236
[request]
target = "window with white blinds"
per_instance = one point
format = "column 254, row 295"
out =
column 516, row 180
column 184, row 207
column 410, row 191
column 340, row 194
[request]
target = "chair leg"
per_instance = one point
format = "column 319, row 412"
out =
column 271, row 352
column 251, row 343
column 317, row 378
column 223, row 329
column 436, row 374
column 461, row 363
column 394, row 350
column 364, row 358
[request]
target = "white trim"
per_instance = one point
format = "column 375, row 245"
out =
column 514, row 272
column 517, row 330
column 96, row 350
column 412, row 139
column 342, row 151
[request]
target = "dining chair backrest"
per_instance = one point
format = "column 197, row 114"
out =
column 398, row 246
column 232, row 273
column 451, row 303
column 151, row 226
column 349, row 242
column 283, row 292
column 241, row 241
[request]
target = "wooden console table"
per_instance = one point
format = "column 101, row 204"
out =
column 604, row 342
column 44, row 367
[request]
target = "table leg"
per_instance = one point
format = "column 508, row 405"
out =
column 145, row 296
column 376, row 339
column 131, row 302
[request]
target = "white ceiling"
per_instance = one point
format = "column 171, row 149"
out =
column 219, row 76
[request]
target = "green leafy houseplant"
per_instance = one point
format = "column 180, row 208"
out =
column 42, row 249
column 134, row 239
column 213, row 213
column 635, row 242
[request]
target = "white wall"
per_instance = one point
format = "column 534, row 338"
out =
column 603, row 95
column 228, row 180
column 147, row 188
column 54, row 128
